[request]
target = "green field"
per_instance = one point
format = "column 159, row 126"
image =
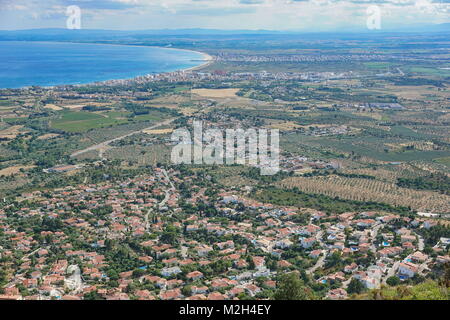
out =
column 445, row 161
column 430, row 71
column 377, row 65
column 72, row 121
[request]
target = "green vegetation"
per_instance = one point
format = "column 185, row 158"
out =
column 428, row 290
column 437, row 182
column 294, row 197
column 71, row 121
column 291, row 287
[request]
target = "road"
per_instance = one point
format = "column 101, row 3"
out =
column 162, row 203
column 374, row 234
column 184, row 251
column 322, row 258
column 318, row 264
column 346, row 283
column 392, row 271
column 168, row 179
column 421, row 244
column 400, row 71
column 101, row 147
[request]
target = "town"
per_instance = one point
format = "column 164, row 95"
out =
column 167, row 235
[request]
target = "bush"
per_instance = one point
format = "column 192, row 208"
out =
column 393, row 281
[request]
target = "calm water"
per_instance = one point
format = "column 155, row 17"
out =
column 47, row 64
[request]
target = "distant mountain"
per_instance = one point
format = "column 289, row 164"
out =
column 99, row 34
column 443, row 27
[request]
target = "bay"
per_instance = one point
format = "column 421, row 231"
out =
column 27, row 63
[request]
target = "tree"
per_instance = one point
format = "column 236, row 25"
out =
column 170, row 235
column 93, row 295
column 290, row 287
column 186, row 291
column 137, row 273
column 355, row 286
column 393, row 281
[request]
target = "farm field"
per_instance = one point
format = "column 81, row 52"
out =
column 370, row 190
column 14, row 170
column 149, row 155
column 71, row 121
column 216, row 93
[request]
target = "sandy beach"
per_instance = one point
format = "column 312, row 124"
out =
column 208, row 61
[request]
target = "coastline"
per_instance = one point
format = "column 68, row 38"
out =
column 207, row 60
column 206, row 57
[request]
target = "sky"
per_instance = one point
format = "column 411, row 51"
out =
column 298, row 15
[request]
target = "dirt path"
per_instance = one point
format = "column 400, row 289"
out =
column 104, row 145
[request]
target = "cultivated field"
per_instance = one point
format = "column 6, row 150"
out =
column 11, row 132
column 158, row 131
column 13, row 170
column 216, row 93
column 370, row 190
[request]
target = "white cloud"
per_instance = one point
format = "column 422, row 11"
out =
column 225, row 14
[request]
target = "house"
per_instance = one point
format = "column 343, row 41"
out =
column 443, row 259
column 444, row 242
column 144, row 295
column 12, row 291
column 338, row 245
column 407, row 238
column 390, row 252
column 429, row 223
column 194, row 275
column 216, row 296
column 407, row 269
column 197, row 297
column 226, row 244
column 309, row 230
column 191, row 228
column 167, row 272
column 419, row 257
column 30, row 283
column 259, row 262
column 204, row 250
column 315, row 253
column 252, row 289
column 9, row 297
column 365, row 223
column 337, row 294
column 408, row 245
column 235, row 292
column 318, row 215
column 171, row 294
column 374, row 272
column 346, row 216
column 308, row 242
column 370, row 283
column 283, row 244
column 198, row 290
column 351, row 268
column 282, row 264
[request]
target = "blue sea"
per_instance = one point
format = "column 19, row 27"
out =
column 54, row 63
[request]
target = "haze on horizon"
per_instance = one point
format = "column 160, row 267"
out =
column 299, row 15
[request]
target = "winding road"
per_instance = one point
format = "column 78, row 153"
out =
column 101, row 147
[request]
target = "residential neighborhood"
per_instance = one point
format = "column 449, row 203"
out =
column 143, row 239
